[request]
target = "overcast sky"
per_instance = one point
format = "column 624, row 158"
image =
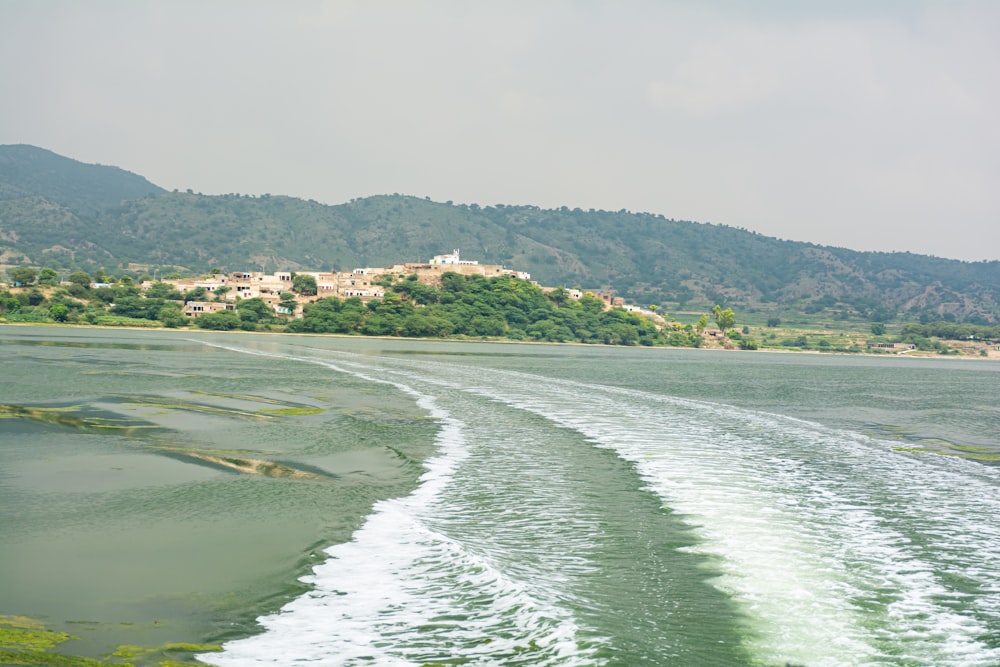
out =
column 869, row 124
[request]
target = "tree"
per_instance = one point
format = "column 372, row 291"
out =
column 416, row 291
column 23, row 275
column 123, row 290
column 288, row 302
column 35, row 298
column 725, row 319
column 425, row 326
column 591, row 303
column 81, row 278
column 59, row 312
column 255, row 310
column 195, row 294
column 163, row 291
column 172, row 316
column 304, row 284
column 452, row 282
column 701, row 324
column 773, row 322
column 48, row 277
column 138, row 307
column 224, row 320
column 878, row 329
column 559, row 295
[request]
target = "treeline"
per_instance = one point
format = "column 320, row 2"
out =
column 951, row 331
column 477, row 307
column 461, row 307
column 77, row 302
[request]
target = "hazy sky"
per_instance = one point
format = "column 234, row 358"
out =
column 870, row 124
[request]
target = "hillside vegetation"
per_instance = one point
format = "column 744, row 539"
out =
column 86, row 189
column 59, row 213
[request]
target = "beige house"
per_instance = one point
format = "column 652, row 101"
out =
column 196, row 308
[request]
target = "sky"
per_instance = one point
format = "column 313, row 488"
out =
column 867, row 124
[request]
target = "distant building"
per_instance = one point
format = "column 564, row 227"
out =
column 453, row 258
column 197, row 308
column 362, row 283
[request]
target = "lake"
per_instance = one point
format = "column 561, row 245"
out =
column 508, row 504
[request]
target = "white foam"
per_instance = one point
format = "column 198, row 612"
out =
column 784, row 507
column 838, row 550
column 402, row 592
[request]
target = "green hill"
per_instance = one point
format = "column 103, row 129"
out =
column 86, row 189
column 644, row 257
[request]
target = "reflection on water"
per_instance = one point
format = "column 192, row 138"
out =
column 98, row 345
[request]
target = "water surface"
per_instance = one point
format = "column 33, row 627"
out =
column 505, row 504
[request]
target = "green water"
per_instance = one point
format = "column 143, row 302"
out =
column 112, row 533
column 597, row 505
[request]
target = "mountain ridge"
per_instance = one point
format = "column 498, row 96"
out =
column 645, row 257
column 84, row 188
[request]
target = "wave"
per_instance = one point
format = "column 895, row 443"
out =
column 834, row 548
column 404, row 592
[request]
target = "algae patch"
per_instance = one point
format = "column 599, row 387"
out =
column 132, row 653
column 26, row 641
column 294, row 412
column 249, row 466
column 21, row 633
column 970, row 452
column 74, row 417
column 284, row 409
column 182, row 405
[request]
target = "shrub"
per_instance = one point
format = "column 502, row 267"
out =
column 224, row 320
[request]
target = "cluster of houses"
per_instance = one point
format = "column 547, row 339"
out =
column 275, row 289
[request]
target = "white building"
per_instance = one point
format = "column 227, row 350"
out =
column 453, row 258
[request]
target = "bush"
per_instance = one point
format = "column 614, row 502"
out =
column 801, row 341
column 224, row 320
column 59, row 312
column 35, row 297
column 172, row 317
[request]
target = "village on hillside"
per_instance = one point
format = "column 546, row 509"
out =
column 277, row 289
column 419, row 299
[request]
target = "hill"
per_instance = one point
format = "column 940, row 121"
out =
column 86, row 189
column 644, row 257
